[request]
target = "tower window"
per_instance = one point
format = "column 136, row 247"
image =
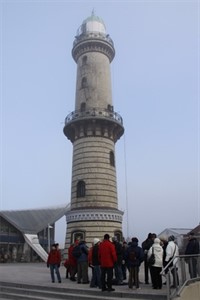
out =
column 80, row 192
column 84, row 60
column 84, row 82
column 77, row 235
column 83, row 106
column 112, row 159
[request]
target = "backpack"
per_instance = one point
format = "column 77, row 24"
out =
column 76, row 252
column 132, row 256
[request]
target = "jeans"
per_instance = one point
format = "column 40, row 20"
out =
column 54, row 267
column 96, row 277
column 133, row 277
column 118, row 273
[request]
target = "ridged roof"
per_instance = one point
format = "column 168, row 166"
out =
column 34, row 220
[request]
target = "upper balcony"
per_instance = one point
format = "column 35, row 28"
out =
column 93, row 35
column 95, row 113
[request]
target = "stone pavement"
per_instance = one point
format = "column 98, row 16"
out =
column 39, row 274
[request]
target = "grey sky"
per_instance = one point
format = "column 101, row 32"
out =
column 155, row 81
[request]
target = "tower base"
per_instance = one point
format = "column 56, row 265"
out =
column 87, row 224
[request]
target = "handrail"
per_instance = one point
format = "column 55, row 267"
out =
column 185, row 276
column 94, row 113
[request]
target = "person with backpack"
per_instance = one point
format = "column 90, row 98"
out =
column 82, row 262
column 134, row 256
column 191, row 249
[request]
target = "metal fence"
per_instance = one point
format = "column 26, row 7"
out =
column 185, row 269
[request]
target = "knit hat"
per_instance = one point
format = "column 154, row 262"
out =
column 96, row 241
column 171, row 238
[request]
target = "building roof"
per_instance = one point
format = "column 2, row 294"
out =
column 34, row 220
column 175, row 231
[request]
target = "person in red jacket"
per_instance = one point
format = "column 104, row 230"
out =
column 107, row 258
column 72, row 261
column 53, row 261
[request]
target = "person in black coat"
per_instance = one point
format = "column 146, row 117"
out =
column 134, row 257
column 146, row 245
column 192, row 248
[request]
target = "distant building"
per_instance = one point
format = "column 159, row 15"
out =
column 179, row 233
column 25, row 235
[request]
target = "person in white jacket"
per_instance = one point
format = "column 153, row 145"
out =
column 156, row 268
column 172, row 251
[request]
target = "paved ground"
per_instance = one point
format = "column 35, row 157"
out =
column 39, row 274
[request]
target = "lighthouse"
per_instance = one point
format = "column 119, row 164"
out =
column 93, row 129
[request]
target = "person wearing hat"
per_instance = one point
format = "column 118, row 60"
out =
column 192, row 248
column 172, row 253
column 93, row 261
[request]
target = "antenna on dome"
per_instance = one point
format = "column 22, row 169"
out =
column 93, row 12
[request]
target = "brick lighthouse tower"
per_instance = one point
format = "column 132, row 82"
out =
column 93, row 128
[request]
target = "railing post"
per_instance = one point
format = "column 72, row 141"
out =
column 168, row 285
column 183, row 271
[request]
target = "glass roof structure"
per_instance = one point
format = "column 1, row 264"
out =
column 34, row 220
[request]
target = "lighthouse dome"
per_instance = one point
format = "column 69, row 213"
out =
column 92, row 24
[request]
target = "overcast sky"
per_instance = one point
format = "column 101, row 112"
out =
column 155, row 86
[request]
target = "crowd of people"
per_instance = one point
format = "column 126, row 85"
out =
column 113, row 262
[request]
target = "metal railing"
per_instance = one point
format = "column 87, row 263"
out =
column 185, row 270
column 94, row 113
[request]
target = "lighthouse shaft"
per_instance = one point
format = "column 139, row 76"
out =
column 93, row 128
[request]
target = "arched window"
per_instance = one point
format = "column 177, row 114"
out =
column 84, row 82
column 112, row 159
column 77, row 235
column 80, row 192
column 84, row 60
column 83, row 105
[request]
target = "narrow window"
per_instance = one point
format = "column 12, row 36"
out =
column 84, row 83
column 83, row 106
column 80, row 192
column 112, row 159
column 84, row 60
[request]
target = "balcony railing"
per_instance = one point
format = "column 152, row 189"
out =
column 94, row 113
column 93, row 35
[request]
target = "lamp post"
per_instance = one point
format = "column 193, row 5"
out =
column 48, row 236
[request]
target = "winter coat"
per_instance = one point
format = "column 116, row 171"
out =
column 171, row 251
column 84, row 252
column 54, row 257
column 93, row 256
column 71, row 259
column 107, row 254
column 119, row 252
column 192, row 247
column 139, row 255
column 157, row 249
